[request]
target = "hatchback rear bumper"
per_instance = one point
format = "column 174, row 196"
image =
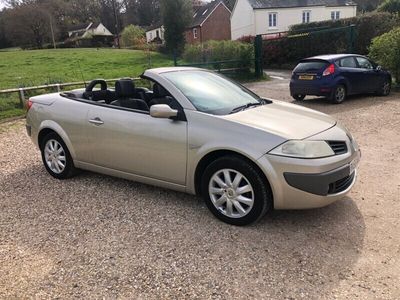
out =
column 314, row 88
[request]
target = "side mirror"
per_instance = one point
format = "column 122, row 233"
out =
column 163, row 111
column 378, row 68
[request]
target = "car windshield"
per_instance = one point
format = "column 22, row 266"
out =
column 212, row 93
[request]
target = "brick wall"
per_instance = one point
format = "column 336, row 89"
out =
column 216, row 27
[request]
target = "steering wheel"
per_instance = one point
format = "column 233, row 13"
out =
column 88, row 94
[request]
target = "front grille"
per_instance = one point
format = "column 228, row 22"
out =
column 338, row 147
column 341, row 185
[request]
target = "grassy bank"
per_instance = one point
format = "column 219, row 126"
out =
column 30, row 68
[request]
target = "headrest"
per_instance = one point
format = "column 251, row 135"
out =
column 159, row 91
column 125, row 88
column 93, row 83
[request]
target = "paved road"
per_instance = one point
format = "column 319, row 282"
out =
column 95, row 236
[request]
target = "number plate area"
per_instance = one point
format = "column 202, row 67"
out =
column 306, row 77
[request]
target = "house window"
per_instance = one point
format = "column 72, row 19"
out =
column 272, row 20
column 195, row 33
column 306, row 16
column 335, row 15
column 151, row 36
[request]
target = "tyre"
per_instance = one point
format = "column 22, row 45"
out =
column 385, row 88
column 56, row 157
column 339, row 94
column 235, row 192
column 298, row 97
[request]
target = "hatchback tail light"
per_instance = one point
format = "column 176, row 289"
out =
column 29, row 104
column 329, row 70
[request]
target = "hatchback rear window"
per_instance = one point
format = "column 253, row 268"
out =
column 307, row 66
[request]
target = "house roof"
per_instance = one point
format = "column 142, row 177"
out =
column 263, row 4
column 83, row 27
column 154, row 26
column 203, row 12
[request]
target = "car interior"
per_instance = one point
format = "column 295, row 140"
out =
column 125, row 94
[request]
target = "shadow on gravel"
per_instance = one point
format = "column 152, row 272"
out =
column 352, row 102
column 97, row 236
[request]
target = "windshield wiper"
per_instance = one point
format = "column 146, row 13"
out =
column 246, row 106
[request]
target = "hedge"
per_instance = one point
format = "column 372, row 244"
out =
column 212, row 51
column 287, row 51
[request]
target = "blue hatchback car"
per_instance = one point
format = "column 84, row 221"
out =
column 337, row 76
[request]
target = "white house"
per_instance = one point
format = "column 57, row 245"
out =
column 88, row 30
column 253, row 17
column 155, row 34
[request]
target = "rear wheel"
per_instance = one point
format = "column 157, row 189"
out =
column 299, row 97
column 235, row 192
column 339, row 94
column 56, row 157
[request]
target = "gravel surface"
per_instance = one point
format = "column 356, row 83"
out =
column 99, row 237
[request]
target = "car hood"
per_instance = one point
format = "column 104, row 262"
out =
column 284, row 119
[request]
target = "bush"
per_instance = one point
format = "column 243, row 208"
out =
column 305, row 40
column 391, row 6
column 133, row 36
column 368, row 26
column 385, row 49
column 220, row 51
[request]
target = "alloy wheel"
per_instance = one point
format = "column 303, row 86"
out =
column 340, row 94
column 55, row 156
column 231, row 193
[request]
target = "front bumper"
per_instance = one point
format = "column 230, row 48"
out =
column 312, row 183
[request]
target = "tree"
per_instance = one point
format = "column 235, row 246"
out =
column 28, row 24
column 392, row 6
column 133, row 36
column 385, row 49
column 176, row 15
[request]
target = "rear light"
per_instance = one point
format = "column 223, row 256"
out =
column 329, row 70
column 29, row 105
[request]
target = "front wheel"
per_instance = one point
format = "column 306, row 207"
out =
column 299, row 97
column 235, row 192
column 385, row 88
column 56, row 157
column 339, row 94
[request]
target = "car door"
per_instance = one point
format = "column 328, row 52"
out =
column 134, row 142
column 349, row 70
column 369, row 77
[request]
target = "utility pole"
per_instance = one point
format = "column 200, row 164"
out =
column 52, row 33
column 116, row 24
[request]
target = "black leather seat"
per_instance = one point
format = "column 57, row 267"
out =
column 126, row 96
column 160, row 96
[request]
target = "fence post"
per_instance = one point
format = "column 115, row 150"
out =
column 175, row 59
column 351, row 38
column 258, row 56
column 21, row 98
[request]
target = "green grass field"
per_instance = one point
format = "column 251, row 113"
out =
column 38, row 67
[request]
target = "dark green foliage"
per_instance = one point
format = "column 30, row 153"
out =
column 326, row 37
column 391, row 6
column 176, row 15
column 385, row 50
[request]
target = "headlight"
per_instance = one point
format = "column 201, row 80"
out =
column 304, row 149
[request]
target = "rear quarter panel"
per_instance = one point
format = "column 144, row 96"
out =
column 66, row 117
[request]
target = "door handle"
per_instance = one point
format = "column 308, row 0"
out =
column 96, row 121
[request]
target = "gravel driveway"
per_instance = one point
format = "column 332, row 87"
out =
column 100, row 237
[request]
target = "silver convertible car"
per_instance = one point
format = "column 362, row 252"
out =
column 195, row 131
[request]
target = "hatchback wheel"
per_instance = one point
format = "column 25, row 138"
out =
column 339, row 94
column 385, row 88
column 235, row 192
column 299, row 97
column 56, row 157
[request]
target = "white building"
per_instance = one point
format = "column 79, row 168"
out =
column 253, row 17
column 155, row 34
column 87, row 30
